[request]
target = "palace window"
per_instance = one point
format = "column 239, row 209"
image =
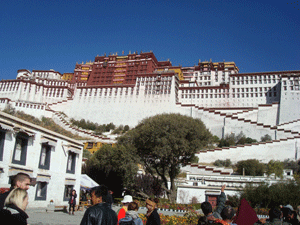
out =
column 67, row 192
column 71, row 162
column 2, row 139
column 41, row 191
column 20, row 150
column 45, row 156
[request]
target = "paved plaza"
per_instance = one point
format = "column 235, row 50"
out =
column 41, row 217
column 44, row 218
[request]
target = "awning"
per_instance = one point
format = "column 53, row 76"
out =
column 71, row 148
column 70, row 181
column 6, row 127
column 43, row 178
column 86, row 182
column 76, row 151
column 14, row 171
column 48, row 141
column 20, row 129
column 212, row 192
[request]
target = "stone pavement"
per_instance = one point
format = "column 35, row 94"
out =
column 40, row 217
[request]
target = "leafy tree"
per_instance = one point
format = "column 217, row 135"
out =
column 293, row 165
column 118, row 130
column 215, row 139
column 266, row 138
column 229, row 140
column 115, row 167
column 252, row 167
column 275, row 167
column 265, row 195
column 165, row 142
column 225, row 163
column 148, row 186
column 110, row 126
column 232, row 140
column 126, row 128
column 86, row 154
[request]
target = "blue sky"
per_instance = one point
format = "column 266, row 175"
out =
column 257, row 35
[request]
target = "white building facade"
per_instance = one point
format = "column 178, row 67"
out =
column 203, row 183
column 256, row 104
column 53, row 161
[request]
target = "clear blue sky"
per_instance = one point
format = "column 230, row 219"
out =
column 257, row 35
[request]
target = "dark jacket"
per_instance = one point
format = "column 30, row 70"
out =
column 13, row 215
column 3, row 197
column 153, row 218
column 74, row 200
column 99, row 214
column 277, row 222
column 216, row 213
column 132, row 215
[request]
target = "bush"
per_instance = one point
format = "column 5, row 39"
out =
column 266, row 138
column 251, row 167
column 265, row 196
column 232, row 140
column 223, row 163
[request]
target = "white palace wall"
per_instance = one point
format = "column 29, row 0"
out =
column 127, row 105
column 264, row 152
column 150, row 96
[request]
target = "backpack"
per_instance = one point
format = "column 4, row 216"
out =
column 203, row 221
column 126, row 221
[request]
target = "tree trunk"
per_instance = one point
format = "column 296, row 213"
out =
column 173, row 191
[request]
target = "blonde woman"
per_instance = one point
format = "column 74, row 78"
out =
column 152, row 215
column 14, row 207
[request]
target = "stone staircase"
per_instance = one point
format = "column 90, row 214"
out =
column 201, row 169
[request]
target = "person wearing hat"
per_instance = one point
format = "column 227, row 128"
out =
column 125, row 202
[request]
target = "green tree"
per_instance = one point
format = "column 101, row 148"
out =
column 229, row 140
column 265, row 195
column 148, row 186
column 224, row 163
column 251, row 167
column 115, row 167
column 86, row 154
column 165, row 142
column 266, row 138
column 293, row 165
column 275, row 167
column 126, row 128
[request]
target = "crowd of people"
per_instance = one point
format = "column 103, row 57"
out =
column 245, row 214
column 13, row 204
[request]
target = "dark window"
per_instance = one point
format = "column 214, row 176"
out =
column 45, row 157
column 67, row 192
column 41, row 191
column 71, row 162
column 2, row 139
column 90, row 145
column 20, row 150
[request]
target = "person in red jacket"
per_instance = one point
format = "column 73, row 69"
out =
column 122, row 213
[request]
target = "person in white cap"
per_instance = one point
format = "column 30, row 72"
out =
column 125, row 202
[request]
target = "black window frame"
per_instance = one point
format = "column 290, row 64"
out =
column 2, row 140
column 67, row 192
column 73, row 164
column 24, row 145
column 43, row 196
column 46, row 166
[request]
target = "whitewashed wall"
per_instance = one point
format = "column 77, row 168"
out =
column 58, row 163
column 264, row 152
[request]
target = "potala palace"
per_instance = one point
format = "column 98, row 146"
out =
column 124, row 89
